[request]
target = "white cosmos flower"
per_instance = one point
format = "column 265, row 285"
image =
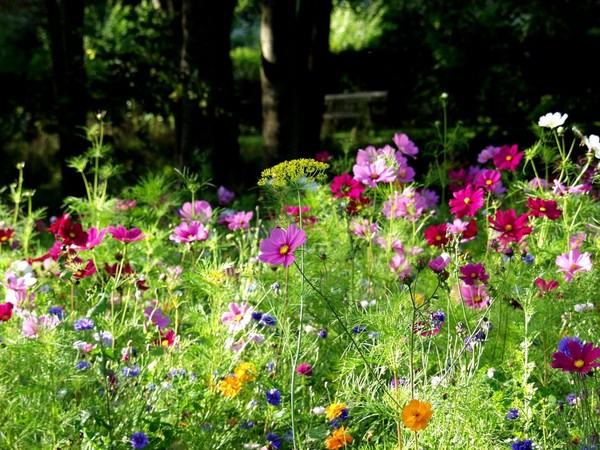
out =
column 552, row 120
column 593, row 144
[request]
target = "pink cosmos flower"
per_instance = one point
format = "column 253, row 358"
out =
column 545, row 286
column 344, row 186
column 488, row 179
column 94, row 238
column 364, row 228
column 473, row 273
column 576, row 241
column 17, row 288
column 367, row 156
column 375, row 172
column 537, row 183
column 279, row 247
column 32, row 325
column 405, row 145
column 81, row 269
column 466, row 202
column 572, row 262
column 200, row 211
column 224, row 195
column 192, row 232
column 238, row 316
column 239, row 220
column 510, row 227
column 156, row 317
column 508, row 158
column 400, row 265
column 122, row 234
column 475, row 296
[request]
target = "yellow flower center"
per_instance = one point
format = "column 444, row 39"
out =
column 438, row 238
column 574, row 266
column 579, row 363
column 467, row 200
column 509, row 158
column 542, row 208
column 284, row 249
column 508, row 227
column 477, row 299
column 488, row 182
column 374, row 176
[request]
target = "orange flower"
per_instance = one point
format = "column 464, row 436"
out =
column 338, row 439
column 246, row 372
column 230, row 386
column 416, row 415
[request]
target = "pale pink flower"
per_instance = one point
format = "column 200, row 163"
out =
column 405, row 145
column 375, row 172
column 572, row 262
column 200, row 211
column 238, row 316
column 576, row 241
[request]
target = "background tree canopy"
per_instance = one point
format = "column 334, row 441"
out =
column 503, row 64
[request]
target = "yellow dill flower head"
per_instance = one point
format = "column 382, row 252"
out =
column 295, row 171
column 245, row 372
column 335, row 410
column 230, row 386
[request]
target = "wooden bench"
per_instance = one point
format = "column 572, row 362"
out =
column 354, row 109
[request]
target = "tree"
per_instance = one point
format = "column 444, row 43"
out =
column 295, row 54
column 65, row 29
column 208, row 125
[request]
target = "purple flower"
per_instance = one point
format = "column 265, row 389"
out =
column 405, row 145
column 273, row 397
column 322, row 333
column 57, row 311
column 279, row 247
column 275, row 440
column 139, row 440
column 239, row 220
column 131, row 372
column 156, row 317
column 526, row 444
column 513, row 414
column 224, row 195
column 84, row 324
column 439, row 264
column 82, row 365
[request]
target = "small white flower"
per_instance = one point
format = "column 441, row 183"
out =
column 552, row 120
column 318, row 410
column 593, row 144
column 490, row 372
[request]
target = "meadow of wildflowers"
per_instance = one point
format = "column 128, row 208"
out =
column 348, row 302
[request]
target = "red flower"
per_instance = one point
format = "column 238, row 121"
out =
column 539, row 208
column 436, row 235
column 69, row 233
column 114, row 269
column 357, row 205
column 466, row 202
column 545, row 286
column 508, row 158
column 5, row 235
column 577, row 357
column 345, row 186
column 81, row 269
column 6, row 311
column 511, row 227
column 471, row 230
column 167, row 339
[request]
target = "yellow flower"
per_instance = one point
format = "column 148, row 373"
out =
column 334, row 410
column 294, row 171
column 416, row 415
column 230, row 386
column 245, row 372
column 338, row 439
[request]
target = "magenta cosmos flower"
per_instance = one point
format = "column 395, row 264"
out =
column 576, row 357
column 466, row 202
column 194, row 231
column 345, row 186
column 510, row 227
column 539, row 207
column 305, row 369
column 508, row 157
column 405, row 145
column 475, row 296
column 473, row 273
column 572, row 262
column 279, row 247
column 120, row 233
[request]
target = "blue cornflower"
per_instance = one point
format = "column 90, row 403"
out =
column 322, row 333
column 373, row 334
column 562, row 345
column 275, row 440
column 527, row 444
column 257, row 315
column 268, row 320
column 139, row 440
column 133, row 371
column 513, row 414
column 528, row 258
column 106, row 337
column 571, row 399
column 57, row 311
column 359, row 329
column 437, row 318
column 84, row 324
column 82, row 365
column 246, row 425
column 273, row 397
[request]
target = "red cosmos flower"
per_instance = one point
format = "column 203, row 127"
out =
column 5, row 235
column 472, row 273
column 114, row 269
column 508, row 158
column 436, row 235
column 357, row 205
column 68, row 232
column 471, row 230
column 545, row 286
column 466, row 202
column 539, row 208
column 6, row 311
column 81, row 269
column 345, row 186
column 167, row 339
column 511, row 227
column 576, row 357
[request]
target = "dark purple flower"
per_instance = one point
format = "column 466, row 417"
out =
column 139, row 440
column 273, row 397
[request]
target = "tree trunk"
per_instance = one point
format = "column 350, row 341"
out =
column 295, row 54
column 209, row 128
column 65, row 26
